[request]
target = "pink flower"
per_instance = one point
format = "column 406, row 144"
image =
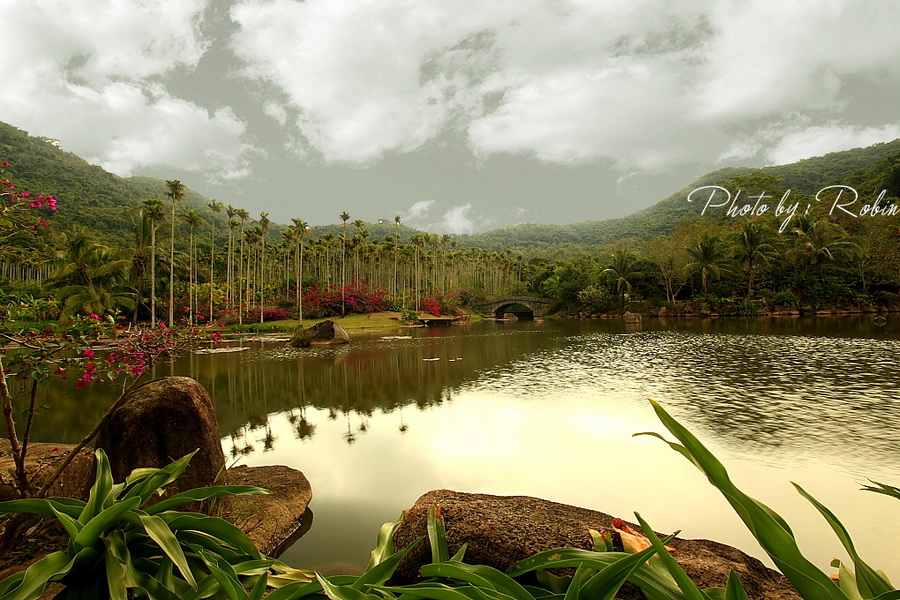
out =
column 88, row 353
column 4, row 163
column 95, row 317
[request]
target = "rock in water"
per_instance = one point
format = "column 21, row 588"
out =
column 631, row 318
column 321, row 334
column 159, row 422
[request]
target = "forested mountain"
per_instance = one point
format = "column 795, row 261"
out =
column 868, row 170
column 88, row 195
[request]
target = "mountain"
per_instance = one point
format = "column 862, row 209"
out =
column 87, row 195
column 868, row 170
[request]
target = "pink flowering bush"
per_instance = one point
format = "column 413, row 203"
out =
column 86, row 350
column 358, row 298
column 20, row 210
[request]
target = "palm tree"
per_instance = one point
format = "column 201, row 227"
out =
column 709, row 258
column 302, row 228
column 216, row 207
column 193, row 221
column 622, row 270
column 91, row 278
column 821, row 242
column 345, row 216
column 264, row 223
column 754, row 245
column 175, row 193
column 156, row 214
column 142, row 226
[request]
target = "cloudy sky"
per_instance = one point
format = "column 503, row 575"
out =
column 457, row 116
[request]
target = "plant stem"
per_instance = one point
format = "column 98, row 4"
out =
column 18, row 457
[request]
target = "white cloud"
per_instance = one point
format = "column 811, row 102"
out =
column 91, row 78
column 418, row 211
column 822, row 139
column 460, row 218
column 645, row 85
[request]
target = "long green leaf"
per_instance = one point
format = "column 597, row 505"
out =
column 384, row 545
column 478, row 575
column 40, row 506
column 38, row 575
column 136, row 579
column 339, row 592
column 656, row 582
column 115, row 574
column 770, row 530
column 99, row 495
column 606, row 583
column 214, row 526
column 688, row 587
column 70, row 524
column 734, row 589
column 437, row 535
column 93, row 529
column 870, row 582
column 383, row 570
column 10, row 582
column 228, row 581
column 433, row 591
column 883, row 488
column 150, row 485
column 160, row 533
column 204, row 493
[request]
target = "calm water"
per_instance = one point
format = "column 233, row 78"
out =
column 548, row 410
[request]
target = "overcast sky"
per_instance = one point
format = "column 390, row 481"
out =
column 458, row 116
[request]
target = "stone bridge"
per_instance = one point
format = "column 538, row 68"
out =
column 538, row 306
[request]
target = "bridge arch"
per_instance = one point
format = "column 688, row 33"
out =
column 538, row 306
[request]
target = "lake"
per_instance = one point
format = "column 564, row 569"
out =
column 548, row 409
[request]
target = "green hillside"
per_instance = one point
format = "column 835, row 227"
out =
column 868, row 170
column 88, row 195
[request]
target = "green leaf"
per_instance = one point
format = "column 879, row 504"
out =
column 437, row 535
column 606, row 583
column 384, row 545
column 148, row 485
column 734, row 589
column 478, row 575
column 71, row 525
column 770, row 530
column 434, row 591
column 688, row 587
column 383, row 570
column 160, row 533
column 204, row 493
column 115, row 575
column 103, row 482
column 339, row 592
column 883, row 488
column 214, row 526
column 869, row 582
column 93, row 529
column 38, row 575
column 259, row 589
column 40, row 506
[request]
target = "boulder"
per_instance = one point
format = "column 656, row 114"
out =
column 159, row 422
column 632, row 318
column 501, row 530
column 321, row 334
column 510, row 317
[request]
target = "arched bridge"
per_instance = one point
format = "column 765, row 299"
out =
column 538, row 306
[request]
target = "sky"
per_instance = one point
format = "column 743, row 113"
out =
column 458, row 117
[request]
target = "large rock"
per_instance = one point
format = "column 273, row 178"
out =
column 631, row 318
column 501, row 530
column 159, row 422
column 321, row 334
